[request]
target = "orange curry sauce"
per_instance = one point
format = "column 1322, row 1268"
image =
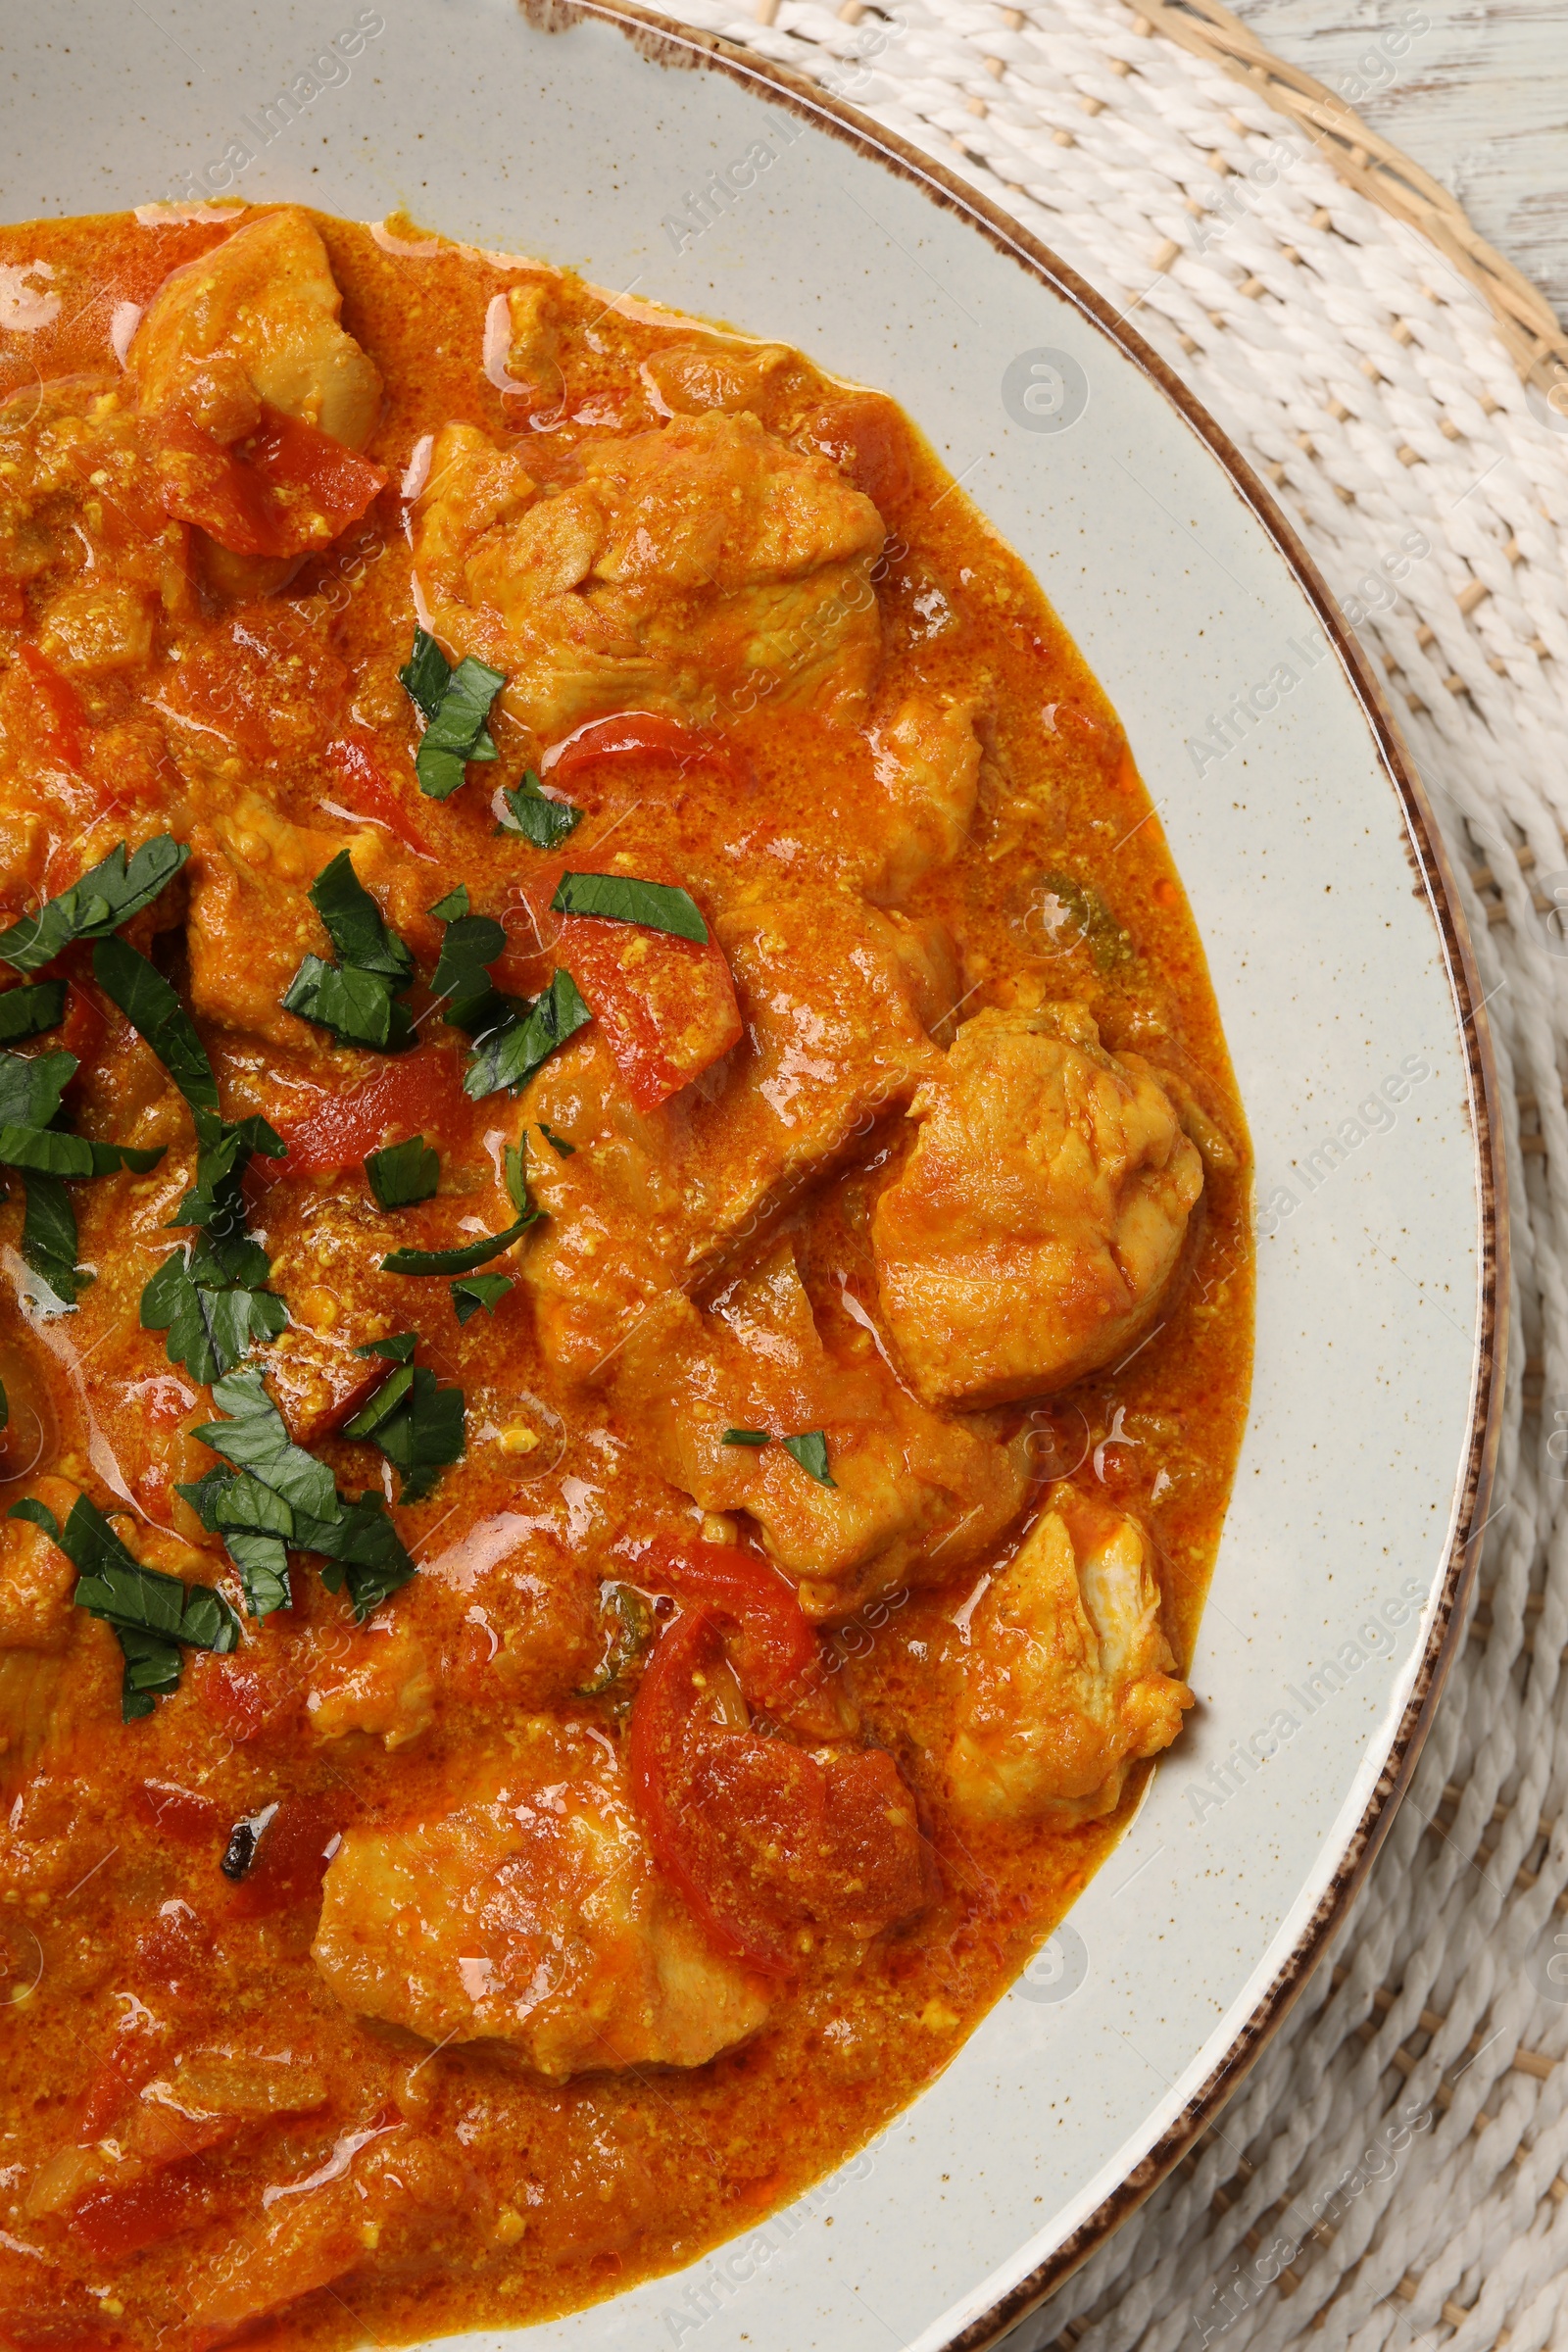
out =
column 663, row 1827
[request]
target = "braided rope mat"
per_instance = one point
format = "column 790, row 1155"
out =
column 1394, row 2171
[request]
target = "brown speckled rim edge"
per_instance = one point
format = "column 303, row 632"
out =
column 682, row 47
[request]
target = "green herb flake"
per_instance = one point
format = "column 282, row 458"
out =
column 746, row 1437
column 49, row 1239
column 509, row 1057
column 358, row 1007
column 420, row 1426
column 537, row 815
column 558, row 1142
column 455, row 704
column 253, row 1438
column 625, row 899
column 30, row 1009
column 811, row 1451
column 154, row 1010
column 628, row 1623
column 1075, row 914
column 461, row 1260
column 355, row 925
column 108, row 895
column 461, row 980
column 474, row 1291
column 403, row 1174
column 153, row 1615
column 395, row 1349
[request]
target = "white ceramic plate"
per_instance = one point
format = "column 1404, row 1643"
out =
column 1341, row 969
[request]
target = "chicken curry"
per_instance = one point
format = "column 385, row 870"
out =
column 626, row 1302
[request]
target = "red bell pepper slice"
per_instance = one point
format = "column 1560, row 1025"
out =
column 61, row 717
column 287, row 488
column 666, row 1007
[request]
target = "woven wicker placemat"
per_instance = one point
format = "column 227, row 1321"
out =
column 1391, row 2171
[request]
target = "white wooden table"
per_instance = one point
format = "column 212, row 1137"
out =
column 1480, row 99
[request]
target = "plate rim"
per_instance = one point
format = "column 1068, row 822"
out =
column 686, row 48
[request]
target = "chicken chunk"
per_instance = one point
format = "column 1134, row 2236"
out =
column 1034, row 1229
column 678, row 569
column 381, row 1689
column 257, row 319
column 531, row 1915
column 927, row 764
column 36, row 1580
column 249, row 919
column 913, row 1497
column 837, row 1001
column 1070, row 1680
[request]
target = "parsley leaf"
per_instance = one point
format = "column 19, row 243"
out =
column 455, row 704
column 30, row 1087
column 471, row 941
column 474, row 1291
column 224, row 1151
column 558, row 1142
column 397, row 1348
column 364, row 1552
column 628, row 1621
column 108, row 895
column 154, row 1616
column 625, row 899
column 462, row 1260
column 355, row 997
column 28, row 1010
column 401, row 1174
column 355, row 924
column 511, row 1054
column 514, row 1165
column 811, row 1451
column 419, row 1426
column 358, row 1007
column 51, row 1152
column 154, row 1010
column 211, row 1324
column 253, row 1438
column 538, row 815
column 49, row 1238
column 746, row 1437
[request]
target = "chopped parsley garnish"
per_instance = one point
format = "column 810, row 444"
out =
column 463, row 1259
column 746, row 1437
column 403, row 1174
column 108, row 895
column 419, row 1426
column 625, row 899
column 355, row 997
column 558, row 1142
column 33, row 1140
column 811, row 1451
column 212, row 1299
column 395, row 1349
column 455, row 704
column 154, row 1616
column 1073, row 913
column 537, row 815
column 154, row 1010
column 28, row 1010
column 276, row 1497
column 473, row 1291
column 628, row 1621
column 49, row 1239
column 508, row 1054
column 461, row 980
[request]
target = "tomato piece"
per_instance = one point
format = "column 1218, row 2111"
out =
column 771, row 1845
column 183, row 1814
column 109, row 2220
column 287, row 488
column 60, row 718
column 419, row 1093
column 86, row 1022
column 354, row 758
column 666, row 1007
column 779, row 1651
column 291, row 1858
column 645, row 739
